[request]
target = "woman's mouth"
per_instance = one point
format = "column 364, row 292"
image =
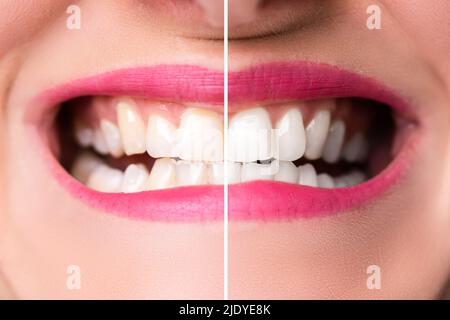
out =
column 304, row 140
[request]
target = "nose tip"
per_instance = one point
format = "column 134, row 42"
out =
column 239, row 11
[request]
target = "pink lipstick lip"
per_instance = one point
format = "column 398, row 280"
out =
column 259, row 200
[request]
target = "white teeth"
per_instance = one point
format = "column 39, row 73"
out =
column 216, row 173
column 134, row 178
column 105, row 179
column 307, row 175
column 84, row 165
column 316, row 134
column 291, row 136
column 234, row 172
column 161, row 136
column 162, row 176
column 356, row 148
column 255, row 171
column 112, row 137
column 287, row 172
column 83, row 134
column 200, row 136
column 191, row 173
column 325, row 181
column 132, row 128
column 335, row 140
column 100, row 144
column 250, row 135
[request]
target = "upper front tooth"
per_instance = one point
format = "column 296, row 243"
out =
column 307, row 175
column 105, row 179
column 335, row 140
column 356, row 148
column 250, row 134
column 316, row 134
column 83, row 134
column 162, row 176
column 191, row 173
column 161, row 135
column 287, row 172
column 134, row 178
column 100, row 144
column 112, row 136
column 255, row 171
column 291, row 136
column 132, row 128
column 200, row 136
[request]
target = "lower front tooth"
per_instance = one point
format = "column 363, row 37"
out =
column 287, row 172
column 134, row 178
column 307, row 175
column 256, row 171
column 191, row 173
column 325, row 181
column 105, row 179
column 162, row 176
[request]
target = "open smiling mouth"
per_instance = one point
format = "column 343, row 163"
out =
column 303, row 140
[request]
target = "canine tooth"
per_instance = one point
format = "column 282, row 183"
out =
column 200, row 136
column 161, row 135
column 112, row 137
column 316, row 134
column 307, row 175
column 287, row 172
column 84, row 165
column 356, row 148
column 325, row 181
column 291, row 136
column 105, row 179
column 83, row 134
column 234, row 172
column 191, row 173
column 250, row 134
column 134, row 178
column 132, row 127
column 100, row 144
column 162, row 176
column 255, row 171
column 335, row 140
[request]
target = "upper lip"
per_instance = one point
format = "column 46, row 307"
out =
column 254, row 200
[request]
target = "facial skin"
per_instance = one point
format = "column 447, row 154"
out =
column 43, row 229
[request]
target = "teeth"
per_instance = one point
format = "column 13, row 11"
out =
column 105, row 179
column 200, row 136
column 132, row 128
column 84, row 165
column 325, row 181
column 162, row 176
column 161, row 135
column 216, row 173
column 335, row 140
column 255, row 171
column 316, row 134
column 134, row 178
column 234, row 172
column 191, row 173
column 356, row 148
column 100, row 144
column 287, row 172
column 307, row 175
column 112, row 137
column 250, row 134
column 83, row 134
column 291, row 135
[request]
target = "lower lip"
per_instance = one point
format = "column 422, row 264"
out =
column 259, row 200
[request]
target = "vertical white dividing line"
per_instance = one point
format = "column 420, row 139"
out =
column 225, row 149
